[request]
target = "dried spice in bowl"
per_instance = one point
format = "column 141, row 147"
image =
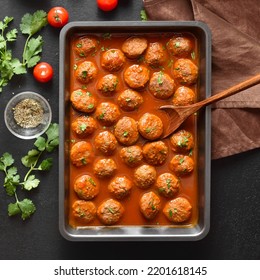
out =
column 28, row 113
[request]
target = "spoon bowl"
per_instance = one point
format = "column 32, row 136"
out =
column 178, row 114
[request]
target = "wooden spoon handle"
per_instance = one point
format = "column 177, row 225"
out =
column 235, row 89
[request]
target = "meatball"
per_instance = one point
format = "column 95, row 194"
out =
column 183, row 96
column 105, row 142
column 126, row 131
column 108, row 84
column 83, row 101
column 105, row 167
column 155, row 55
column 130, row 100
column 112, row 60
column 145, row 176
column 161, row 85
column 107, row 113
column 136, row 76
column 84, row 126
column 178, row 210
column 168, row 185
column 132, row 155
column 134, row 46
column 179, row 46
column 150, row 205
column 86, row 71
column 150, row 126
column 110, row 212
column 120, row 187
column 86, row 187
column 185, row 71
column 85, row 46
column 182, row 165
column 182, row 141
column 84, row 211
column 155, row 153
column 81, row 153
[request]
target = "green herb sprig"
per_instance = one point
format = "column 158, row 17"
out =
column 30, row 25
column 143, row 15
column 12, row 180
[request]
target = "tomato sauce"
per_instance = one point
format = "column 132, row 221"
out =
column 189, row 189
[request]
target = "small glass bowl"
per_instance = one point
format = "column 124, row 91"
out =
column 27, row 132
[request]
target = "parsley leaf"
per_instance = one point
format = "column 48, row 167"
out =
column 46, row 164
column 52, row 137
column 25, row 207
column 33, row 23
column 31, row 183
column 143, row 15
column 5, row 161
column 33, row 49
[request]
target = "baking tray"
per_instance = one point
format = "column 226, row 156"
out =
column 137, row 233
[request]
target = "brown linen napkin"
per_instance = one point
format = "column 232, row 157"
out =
column 235, row 57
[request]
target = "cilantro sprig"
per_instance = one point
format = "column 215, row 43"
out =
column 8, row 65
column 30, row 25
column 32, row 161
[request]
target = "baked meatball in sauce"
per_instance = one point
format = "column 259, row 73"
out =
column 85, row 46
column 178, row 210
column 161, row 85
column 136, row 76
column 120, row 187
column 83, row 101
column 110, row 212
column 183, row 96
column 130, row 100
column 185, row 71
column 105, row 142
column 179, row 46
column 132, row 155
column 107, row 113
column 155, row 54
column 150, row 126
column 155, row 153
column 168, row 185
column 150, row 205
column 81, row 153
column 126, row 131
column 112, row 60
column 105, row 168
column 86, row 71
column 108, row 84
column 145, row 176
column 182, row 141
column 182, row 165
column 86, row 187
column 84, row 211
column 84, row 126
column 133, row 47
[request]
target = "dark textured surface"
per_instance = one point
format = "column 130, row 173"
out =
column 235, row 190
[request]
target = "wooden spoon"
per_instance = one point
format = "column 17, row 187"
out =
column 178, row 114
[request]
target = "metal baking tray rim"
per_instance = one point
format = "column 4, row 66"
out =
column 138, row 233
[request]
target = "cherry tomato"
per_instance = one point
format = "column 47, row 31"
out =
column 43, row 72
column 58, row 17
column 107, row 5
